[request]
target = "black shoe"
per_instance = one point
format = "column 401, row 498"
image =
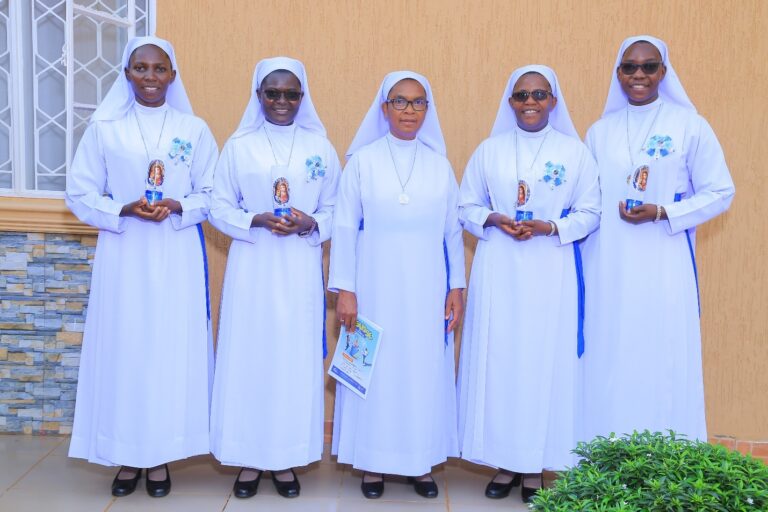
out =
column 527, row 493
column 495, row 490
column 125, row 487
column 248, row 488
column 287, row 489
column 159, row 488
column 372, row 490
column 425, row 488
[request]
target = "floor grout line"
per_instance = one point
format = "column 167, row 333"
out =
column 41, row 459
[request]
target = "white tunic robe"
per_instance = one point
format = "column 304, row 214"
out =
column 143, row 387
column 643, row 366
column 396, row 266
column 518, row 372
column 272, row 309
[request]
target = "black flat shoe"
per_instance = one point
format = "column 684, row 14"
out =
column 159, row 488
column 125, row 487
column 248, row 488
column 527, row 493
column 426, row 488
column 287, row 489
column 372, row 490
column 495, row 490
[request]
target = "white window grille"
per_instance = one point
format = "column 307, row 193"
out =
column 58, row 58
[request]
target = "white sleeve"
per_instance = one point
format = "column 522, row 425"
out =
column 87, row 185
column 323, row 215
column 346, row 229
column 584, row 215
column 474, row 198
column 226, row 214
column 454, row 240
column 710, row 180
column 195, row 206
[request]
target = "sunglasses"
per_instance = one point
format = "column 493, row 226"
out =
column 274, row 95
column 630, row 68
column 536, row 94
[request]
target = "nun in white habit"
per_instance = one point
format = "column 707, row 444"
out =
column 529, row 193
column 273, row 300
column 397, row 258
column 643, row 367
column 145, row 368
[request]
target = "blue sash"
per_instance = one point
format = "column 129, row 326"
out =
column 205, row 270
column 678, row 197
column 580, row 289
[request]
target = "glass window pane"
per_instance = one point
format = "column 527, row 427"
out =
column 6, row 162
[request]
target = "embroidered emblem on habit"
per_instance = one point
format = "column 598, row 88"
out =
column 315, row 168
column 659, row 146
column 554, row 175
column 181, row 151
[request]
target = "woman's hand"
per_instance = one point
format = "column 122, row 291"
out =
column 141, row 209
column 504, row 223
column 454, row 308
column 639, row 214
column 173, row 205
column 346, row 309
column 296, row 222
column 536, row 228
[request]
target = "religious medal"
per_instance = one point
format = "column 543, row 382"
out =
column 281, row 196
column 638, row 183
column 523, row 196
column 403, row 198
column 155, row 179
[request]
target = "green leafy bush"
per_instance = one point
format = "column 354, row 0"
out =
column 653, row 472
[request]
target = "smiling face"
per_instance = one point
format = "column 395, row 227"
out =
column 532, row 115
column 641, row 88
column 280, row 97
column 149, row 72
column 405, row 124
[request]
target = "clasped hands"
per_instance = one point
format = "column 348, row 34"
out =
column 519, row 230
column 158, row 212
column 296, row 222
column 640, row 214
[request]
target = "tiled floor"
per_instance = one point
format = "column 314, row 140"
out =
column 37, row 476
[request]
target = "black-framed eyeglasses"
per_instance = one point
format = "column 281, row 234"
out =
column 536, row 94
column 630, row 68
column 419, row 104
column 275, row 94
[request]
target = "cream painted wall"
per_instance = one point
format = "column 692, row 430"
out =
column 467, row 49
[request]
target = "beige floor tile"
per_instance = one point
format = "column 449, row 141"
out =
column 14, row 464
column 260, row 503
column 202, row 475
column 19, row 442
column 68, row 477
column 174, row 502
column 396, row 488
column 43, row 500
column 320, row 480
column 513, row 503
column 364, row 505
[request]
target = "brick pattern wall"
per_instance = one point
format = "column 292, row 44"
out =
column 44, row 284
column 758, row 449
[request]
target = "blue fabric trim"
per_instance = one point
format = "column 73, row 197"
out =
column 362, row 225
column 679, row 197
column 205, row 268
column 322, row 284
column 580, row 287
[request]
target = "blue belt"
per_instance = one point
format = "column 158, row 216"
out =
column 678, row 198
column 580, row 288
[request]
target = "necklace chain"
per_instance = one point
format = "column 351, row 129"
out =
column 645, row 139
column 271, row 147
column 535, row 157
column 394, row 164
column 141, row 131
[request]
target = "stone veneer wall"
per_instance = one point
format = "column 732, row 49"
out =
column 44, row 285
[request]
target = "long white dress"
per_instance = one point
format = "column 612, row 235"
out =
column 518, row 367
column 643, row 367
column 145, row 368
column 272, row 309
column 397, row 267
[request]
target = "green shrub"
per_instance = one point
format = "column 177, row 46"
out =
column 652, row 472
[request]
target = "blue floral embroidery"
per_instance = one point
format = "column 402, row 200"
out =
column 659, row 146
column 315, row 168
column 554, row 175
column 181, row 151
